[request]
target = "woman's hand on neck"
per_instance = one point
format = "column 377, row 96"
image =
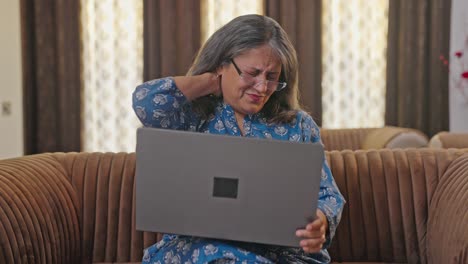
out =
column 197, row 86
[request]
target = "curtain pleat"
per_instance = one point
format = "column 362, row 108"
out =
column 171, row 37
column 301, row 19
column 417, row 82
column 51, row 75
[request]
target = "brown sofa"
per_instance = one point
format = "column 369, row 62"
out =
column 373, row 138
column 404, row 206
column 449, row 140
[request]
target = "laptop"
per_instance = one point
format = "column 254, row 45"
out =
column 225, row 187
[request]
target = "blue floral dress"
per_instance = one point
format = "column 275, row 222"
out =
column 159, row 103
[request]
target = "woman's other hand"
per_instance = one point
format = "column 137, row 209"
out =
column 313, row 236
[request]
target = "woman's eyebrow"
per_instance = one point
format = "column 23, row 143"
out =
column 260, row 70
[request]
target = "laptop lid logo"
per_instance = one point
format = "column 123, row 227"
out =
column 225, row 187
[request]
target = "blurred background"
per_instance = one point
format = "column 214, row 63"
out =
column 68, row 68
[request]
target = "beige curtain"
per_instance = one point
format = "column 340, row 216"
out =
column 216, row 13
column 354, row 44
column 112, row 61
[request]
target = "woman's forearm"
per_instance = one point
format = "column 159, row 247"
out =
column 159, row 103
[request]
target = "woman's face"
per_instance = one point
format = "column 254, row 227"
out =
column 260, row 64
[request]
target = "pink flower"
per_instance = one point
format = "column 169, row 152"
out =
column 465, row 75
column 458, row 54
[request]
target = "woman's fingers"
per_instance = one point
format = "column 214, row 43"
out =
column 313, row 234
column 314, row 242
column 312, row 245
column 303, row 233
column 316, row 224
column 315, row 229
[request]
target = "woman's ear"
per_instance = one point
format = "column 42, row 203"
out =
column 221, row 69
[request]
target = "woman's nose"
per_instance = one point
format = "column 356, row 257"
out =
column 261, row 86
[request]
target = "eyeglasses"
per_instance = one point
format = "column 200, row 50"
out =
column 252, row 81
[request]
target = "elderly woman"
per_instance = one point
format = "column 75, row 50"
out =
column 242, row 83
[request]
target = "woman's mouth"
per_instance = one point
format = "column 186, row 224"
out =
column 255, row 98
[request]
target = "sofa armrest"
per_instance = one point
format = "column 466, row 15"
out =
column 394, row 137
column 38, row 216
column 449, row 140
column 447, row 230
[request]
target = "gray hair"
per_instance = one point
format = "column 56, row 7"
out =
column 239, row 35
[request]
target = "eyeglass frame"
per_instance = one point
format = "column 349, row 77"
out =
column 280, row 85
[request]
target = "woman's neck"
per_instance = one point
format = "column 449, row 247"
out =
column 240, row 121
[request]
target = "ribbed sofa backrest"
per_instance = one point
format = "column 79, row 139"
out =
column 39, row 220
column 104, row 183
column 341, row 139
column 388, row 194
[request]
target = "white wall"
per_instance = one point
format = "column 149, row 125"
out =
column 11, row 126
column 458, row 42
